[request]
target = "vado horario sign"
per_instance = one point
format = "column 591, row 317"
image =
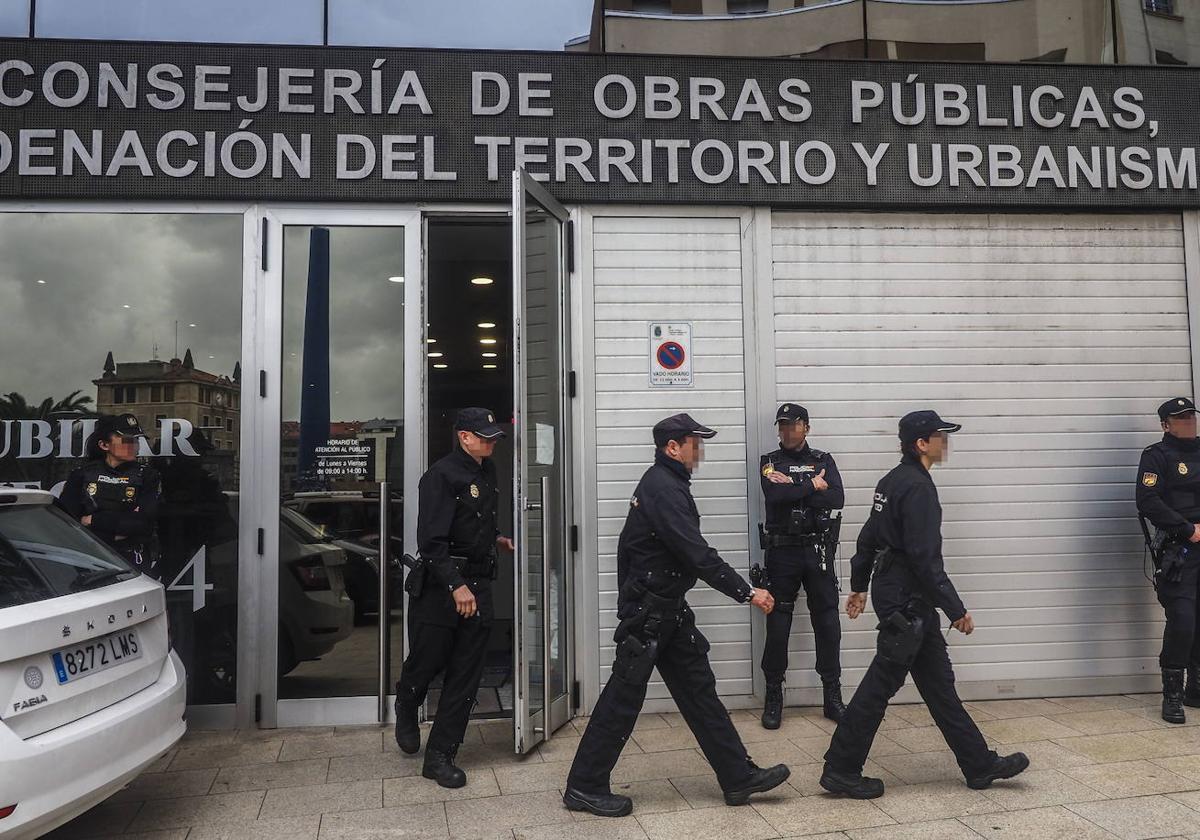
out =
column 123, row 120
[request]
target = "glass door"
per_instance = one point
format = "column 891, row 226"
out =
column 344, row 289
column 543, row 644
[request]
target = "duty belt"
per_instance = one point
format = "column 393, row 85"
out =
column 790, row 540
column 638, row 590
column 468, row 568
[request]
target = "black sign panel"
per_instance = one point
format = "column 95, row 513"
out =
column 199, row 121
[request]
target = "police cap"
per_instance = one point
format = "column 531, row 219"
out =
column 917, row 425
column 677, row 427
column 481, row 421
column 790, row 413
column 1175, row 407
column 125, row 425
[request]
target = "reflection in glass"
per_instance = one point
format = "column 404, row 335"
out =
column 108, row 313
column 219, row 21
column 1158, row 31
column 342, row 434
column 472, row 24
column 14, row 18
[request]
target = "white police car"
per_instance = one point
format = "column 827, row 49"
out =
column 90, row 691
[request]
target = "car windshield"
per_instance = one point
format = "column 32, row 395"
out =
column 45, row 554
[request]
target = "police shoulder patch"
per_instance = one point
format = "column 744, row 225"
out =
column 768, row 468
column 1149, row 479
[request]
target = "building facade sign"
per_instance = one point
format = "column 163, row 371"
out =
column 127, row 120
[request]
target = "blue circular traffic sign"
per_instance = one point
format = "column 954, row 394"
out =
column 671, row 355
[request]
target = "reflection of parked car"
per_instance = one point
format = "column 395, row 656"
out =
column 350, row 519
column 91, row 691
column 315, row 613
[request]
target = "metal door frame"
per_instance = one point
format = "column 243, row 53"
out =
column 526, row 731
column 261, row 508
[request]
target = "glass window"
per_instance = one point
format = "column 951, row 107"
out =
column 228, row 21
column 14, row 18
column 43, row 554
column 130, row 277
column 1071, row 31
column 1158, row 32
column 512, row 24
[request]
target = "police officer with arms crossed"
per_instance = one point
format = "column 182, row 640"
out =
column 900, row 547
column 114, row 496
column 451, row 608
column 1168, row 494
column 800, row 485
column 660, row 555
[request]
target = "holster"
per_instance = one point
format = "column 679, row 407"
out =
column 414, row 581
column 900, row 636
column 759, row 578
column 1172, row 558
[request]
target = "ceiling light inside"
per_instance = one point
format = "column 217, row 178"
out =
column 486, row 325
column 441, row 366
column 481, row 281
column 487, row 341
column 488, row 355
column 489, row 367
column 431, row 341
column 395, row 278
column 435, row 355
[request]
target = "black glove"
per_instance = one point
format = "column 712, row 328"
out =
column 1173, row 559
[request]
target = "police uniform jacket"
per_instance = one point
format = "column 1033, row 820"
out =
column 801, row 465
column 661, row 546
column 1168, row 488
column 457, row 508
column 906, row 517
column 123, row 502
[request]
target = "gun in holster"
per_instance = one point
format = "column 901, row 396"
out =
column 1167, row 555
column 829, row 528
column 759, row 578
column 418, row 572
column 900, row 636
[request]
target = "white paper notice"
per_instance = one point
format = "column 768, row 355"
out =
column 543, row 436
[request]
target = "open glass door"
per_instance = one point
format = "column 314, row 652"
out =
column 542, row 649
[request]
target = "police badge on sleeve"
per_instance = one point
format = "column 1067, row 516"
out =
column 1149, row 479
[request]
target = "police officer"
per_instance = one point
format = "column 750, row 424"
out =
column 660, row 555
column 450, row 620
column 115, row 496
column 1168, row 494
column 801, row 486
column 900, row 547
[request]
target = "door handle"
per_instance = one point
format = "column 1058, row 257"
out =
column 385, row 609
column 533, row 506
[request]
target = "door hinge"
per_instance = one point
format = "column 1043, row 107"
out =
column 266, row 227
column 569, row 229
column 575, row 694
column 262, row 541
column 258, row 707
column 571, row 384
column 574, row 538
column 262, row 383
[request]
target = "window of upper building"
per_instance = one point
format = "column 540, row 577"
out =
column 747, row 7
column 228, row 21
column 1162, row 7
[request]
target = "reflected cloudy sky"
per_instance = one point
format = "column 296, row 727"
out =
column 495, row 24
column 166, row 268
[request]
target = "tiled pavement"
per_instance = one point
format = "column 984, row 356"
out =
column 1102, row 767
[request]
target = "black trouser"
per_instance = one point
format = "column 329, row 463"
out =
column 1181, row 638
column 668, row 640
column 460, row 651
column 934, row 677
column 789, row 569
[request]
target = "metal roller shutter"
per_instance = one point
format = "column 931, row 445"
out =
column 672, row 269
column 1052, row 338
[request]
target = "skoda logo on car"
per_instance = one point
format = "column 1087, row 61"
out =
column 33, row 677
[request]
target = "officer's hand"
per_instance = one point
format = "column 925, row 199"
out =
column 1195, row 537
column 464, row 601
column 506, row 543
column 762, row 599
column 819, row 483
column 87, row 521
column 856, row 603
column 965, row 625
column 776, row 477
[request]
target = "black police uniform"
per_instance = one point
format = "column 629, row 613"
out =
column 123, row 501
column 456, row 534
column 900, row 547
column 660, row 556
column 796, row 557
column 1168, row 494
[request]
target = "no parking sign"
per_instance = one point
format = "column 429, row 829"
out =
column 670, row 355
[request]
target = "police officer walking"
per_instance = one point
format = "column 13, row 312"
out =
column 451, row 608
column 660, row 555
column 801, row 486
column 1168, row 494
column 113, row 495
column 900, row 548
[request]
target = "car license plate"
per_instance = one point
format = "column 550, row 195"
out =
column 79, row 661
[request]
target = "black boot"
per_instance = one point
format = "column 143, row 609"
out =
column 1191, row 690
column 600, row 804
column 1004, row 767
column 761, row 780
column 1172, row 707
column 439, row 766
column 773, row 707
column 408, row 734
column 835, row 709
column 856, row 786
